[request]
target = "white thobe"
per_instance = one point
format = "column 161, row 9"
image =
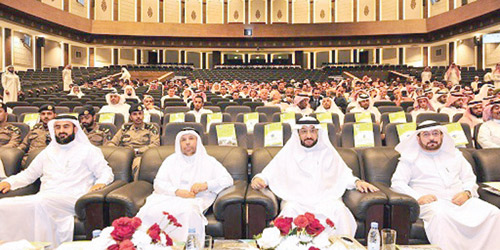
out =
column 10, row 83
column 148, row 113
column 426, row 76
column 489, row 134
column 371, row 109
column 67, row 80
column 48, row 216
column 453, row 77
column 451, row 111
column 297, row 110
column 117, row 108
column 197, row 114
column 188, row 211
column 125, row 76
column 496, row 79
column 473, row 225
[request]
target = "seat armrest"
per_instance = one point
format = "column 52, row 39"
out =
column 131, row 196
column 488, row 197
column 95, row 197
column 359, row 203
column 265, row 198
column 30, row 189
column 399, row 199
column 232, row 195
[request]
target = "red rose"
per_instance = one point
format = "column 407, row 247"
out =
column 314, row 248
column 315, row 228
column 172, row 219
column 330, row 223
column 136, row 222
column 124, row 228
column 301, row 221
column 284, row 224
column 114, row 247
column 165, row 213
column 170, row 242
column 310, row 217
column 154, row 232
column 127, row 245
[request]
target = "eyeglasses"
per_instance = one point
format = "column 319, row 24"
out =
column 433, row 133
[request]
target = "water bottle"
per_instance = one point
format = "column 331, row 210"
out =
column 192, row 240
column 374, row 237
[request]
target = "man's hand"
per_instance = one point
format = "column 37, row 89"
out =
column 4, row 187
column 184, row 193
column 258, row 183
column 97, row 187
column 365, row 187
column 426, row 199
column 460, row 198
column 199, row 187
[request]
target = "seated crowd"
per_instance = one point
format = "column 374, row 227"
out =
column 308, row 174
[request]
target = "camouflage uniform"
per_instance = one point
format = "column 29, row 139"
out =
column 10, row 136
column 38, row 137
column 99, row 136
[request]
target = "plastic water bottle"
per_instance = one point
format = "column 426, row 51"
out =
column 192, row 240
column 96, row 233
column 374, row 237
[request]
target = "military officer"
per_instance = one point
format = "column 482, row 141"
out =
column 98, row 135
column 10, row 135
column 137, row 135
column 39, row 136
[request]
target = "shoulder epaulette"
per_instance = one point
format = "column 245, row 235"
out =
column 14, row 129
column 126, row 127
column 152, row 127
column 38, row 125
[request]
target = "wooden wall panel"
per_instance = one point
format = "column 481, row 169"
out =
column 172, row 11
column 54, row 3
column 438, row 7
column 52, row 54
column 279, row 9
column 300, row 11
column 103, row 10
column 413, row 9
column 389, row 9
column 126, row 10
column 322, row 11
column 465, row 52
column 343, row 11
column 390, row 56
column 413, row 56
column 22, row 54
column 215, row 11
column 127, row 56
column 194, row 58
column 149, row 11
column 366, row 10
column 344, row 56
column 79, row 9
column 78, row 56
column 492, row 52
column 193, row 12
column 103, row 57
column 236, row 11
column 258, row 11
column 438, row 56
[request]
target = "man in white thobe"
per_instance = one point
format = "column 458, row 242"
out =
column 421, row 105
column 116, row 104
column 473, row 115
column 185, row 186
column 125, row 75
column 453, row 74
column 489, row 132
column 365, row 104
column 11, row 85
column 454, row 105
column 300, row 105
column 68, row 167
column 437, row 175
column 309, row 175
column 66, row 75
column 329, row 106
column 198, row 109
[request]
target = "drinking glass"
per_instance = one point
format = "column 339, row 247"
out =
column 388, row 239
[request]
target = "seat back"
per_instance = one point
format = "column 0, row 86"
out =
column 383, row 103
column 335, row 120
column 187, row 118
column 269, row 111
column 112, row 128
column 253, row 105
column 384, row 120
column 120, row 160
column 215, row 109
column 240, row 130
column 11, row 159
column 351, row 117
column 70, row 104
column 241, row 118
column 406, row 104
column 475, row 135
column 233, row 111
column 203, row 121
column 78, row 109
column 169, row 110
column 277, row 117
column 234, row 159
column 457, row 117
column 119, row 120
column 259, row 136
column 223, row 105
column 62, row 109
column 438, row 117
column 389, row 109
column 171, row 130
column 19, row 110
column 347, row 136
column 25, row 128
column 11, row 118
column 379, row 164
column 261, row 157
column 487, row 164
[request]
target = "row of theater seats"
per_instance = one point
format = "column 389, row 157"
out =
column 341, row 136
column 241, row 212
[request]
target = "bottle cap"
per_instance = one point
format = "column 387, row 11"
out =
column 96, row 233
column 192, row 230
column 374, row 225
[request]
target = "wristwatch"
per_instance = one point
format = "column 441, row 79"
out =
column 468, row 193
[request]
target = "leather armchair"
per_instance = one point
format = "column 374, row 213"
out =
column 263, row 206
column 91, row 211
column 487, row 170
column 225, row 217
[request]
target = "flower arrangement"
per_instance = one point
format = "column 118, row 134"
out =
column 305, row 232
column 129, row 234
